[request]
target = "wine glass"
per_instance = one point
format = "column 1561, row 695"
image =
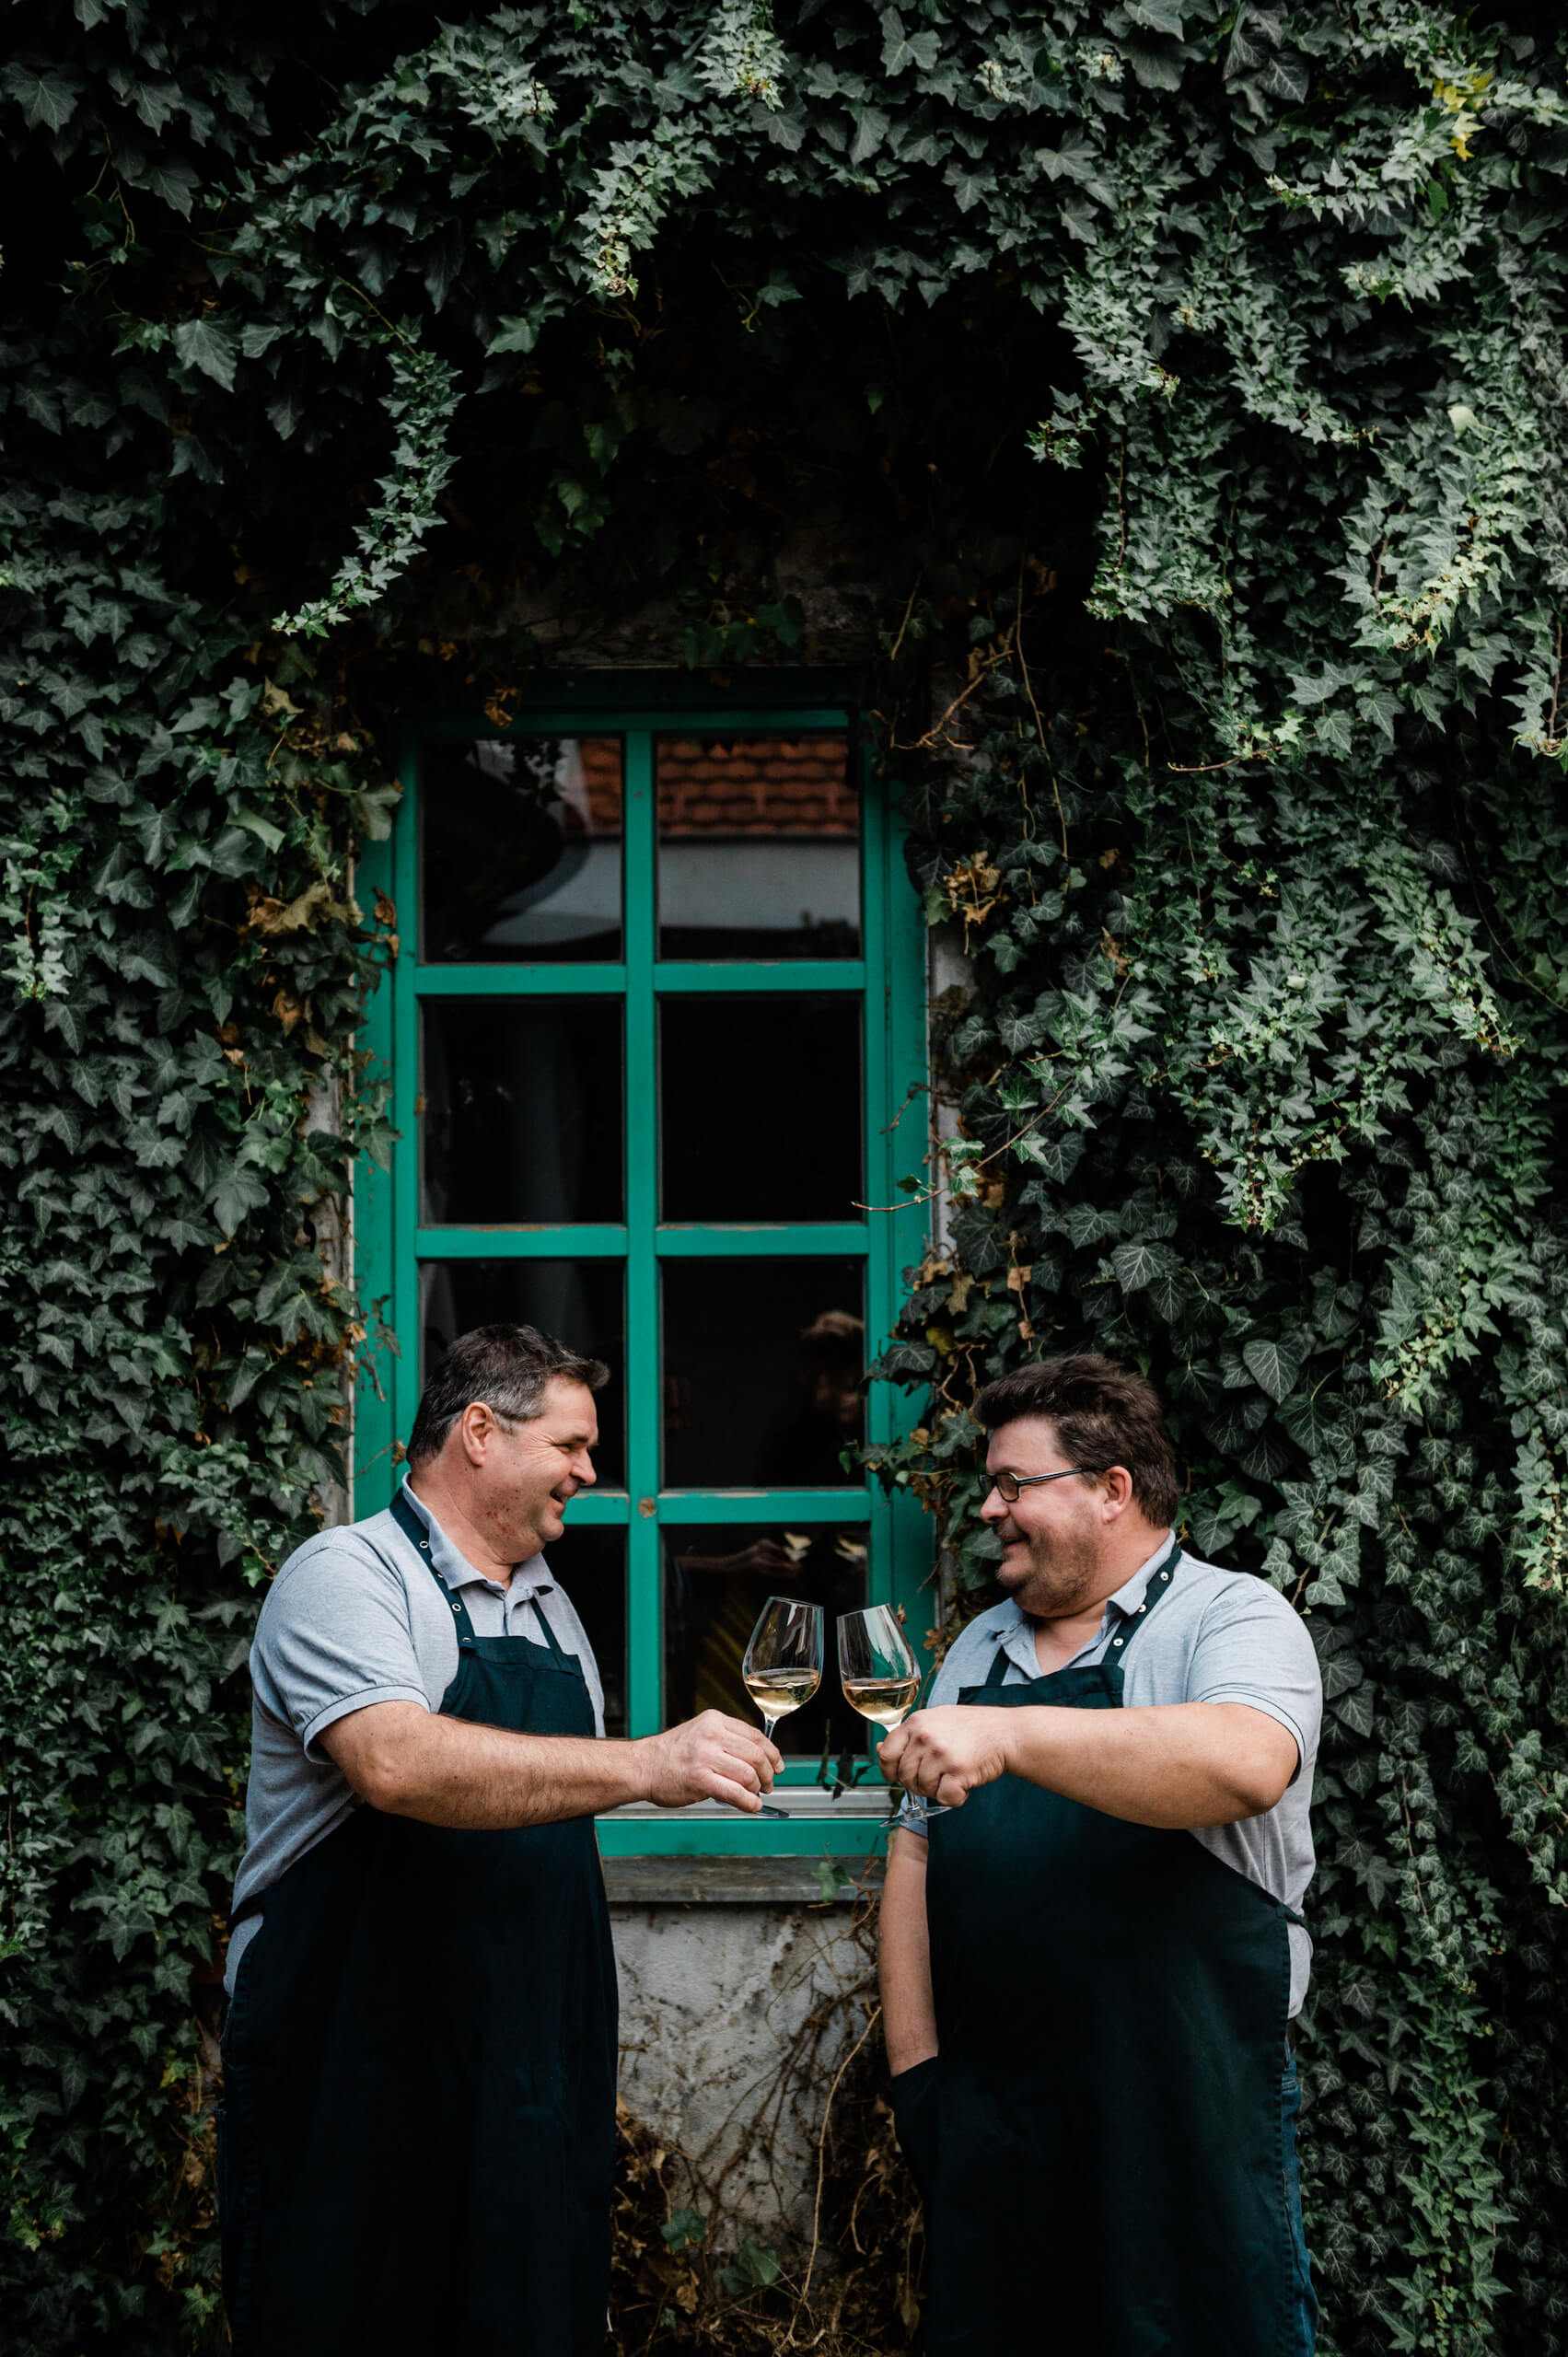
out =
column 879, row 1674
column 783, row 1668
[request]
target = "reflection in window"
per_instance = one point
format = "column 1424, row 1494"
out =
column 758, row 849
column 591, row 1564
column 761, row 1107
column 522, row 1111
column 582, row 1302
column 521, row 854
column 716, row 1582
column 762, row 1364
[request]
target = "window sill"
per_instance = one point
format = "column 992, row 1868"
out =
column 734, row 1882
column 798, row 1801
column 813, row 1825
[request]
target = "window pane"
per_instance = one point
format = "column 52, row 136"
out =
column 521, row 852
column 758, row 849
column 591, row 1564
column 582, row 1302
column 716, row 1582
column 763, row 1361
column 522, row 1122
column 761, row 1107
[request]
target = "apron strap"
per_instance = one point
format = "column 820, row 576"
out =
column 997, row 1673
column 563, row 1658
column 409, row 1522
column 1156, row 1585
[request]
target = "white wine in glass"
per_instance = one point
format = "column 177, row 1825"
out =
column 878, row 1673
column 783, row 1668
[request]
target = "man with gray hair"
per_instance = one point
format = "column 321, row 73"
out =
column 419, row 2054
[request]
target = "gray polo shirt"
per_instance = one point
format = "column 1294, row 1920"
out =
column 1215, row 1637
column 353, row 1618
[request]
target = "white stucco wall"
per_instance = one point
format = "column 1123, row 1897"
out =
column 721, row 2003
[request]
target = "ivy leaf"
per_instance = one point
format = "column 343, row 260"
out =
column 175, row 181
column 1138, row 1265
column 751, row 2269
column 871, row 129
column 202, row 345
column 1341, row 1672
column 272, row 836
column 1156, row 16
column 1235, row 1421
column 1357, row 1710
column 47, row 94
column 1309, row 1420
column 1170, row 1292
column 1275, row 1365
column 237, row 1192
column 685, row 2228
column 1267, row 1457
column 183, row 1233
column 519, row 334
column 1020, row 1031
column 900, row 50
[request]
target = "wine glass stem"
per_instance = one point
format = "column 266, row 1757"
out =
column 768, row 1726
column 916, row 1804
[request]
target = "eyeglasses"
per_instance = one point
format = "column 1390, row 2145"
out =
column 1009, row 1486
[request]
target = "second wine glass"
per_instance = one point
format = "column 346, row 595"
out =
column 783, row 1668
column 878, row 1673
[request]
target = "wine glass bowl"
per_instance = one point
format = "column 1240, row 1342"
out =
column 783, row 1668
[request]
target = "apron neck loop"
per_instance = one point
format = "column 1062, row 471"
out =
column 409, row 1522
column 1155, row 1587
column 562, row 1657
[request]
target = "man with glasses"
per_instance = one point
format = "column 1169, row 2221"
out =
column 1093, row 1948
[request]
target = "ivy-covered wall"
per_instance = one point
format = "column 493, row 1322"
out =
column 1189, row 383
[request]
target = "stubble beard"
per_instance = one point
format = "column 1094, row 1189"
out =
column 1056, row 1579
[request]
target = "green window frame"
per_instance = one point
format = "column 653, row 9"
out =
column 390, row 1246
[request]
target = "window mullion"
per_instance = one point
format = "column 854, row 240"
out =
column 644, row 1388
column 407, row 1119
column 877, row 1165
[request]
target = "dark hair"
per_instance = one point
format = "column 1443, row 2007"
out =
column 1104, row 1415
column 507, row 1367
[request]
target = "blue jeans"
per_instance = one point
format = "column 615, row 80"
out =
column 1303, row 2312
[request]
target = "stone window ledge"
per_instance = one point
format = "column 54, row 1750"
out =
column 734, row 1882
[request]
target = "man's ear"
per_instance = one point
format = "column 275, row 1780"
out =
column 476, row 1425
column 1118, row 1491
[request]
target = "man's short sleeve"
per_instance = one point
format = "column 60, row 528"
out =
column 1253, row 1648
column 333, row 1637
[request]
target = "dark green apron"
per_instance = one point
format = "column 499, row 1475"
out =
column 419, row 2067
column 1100, row 2133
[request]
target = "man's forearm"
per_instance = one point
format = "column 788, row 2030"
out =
column 903, row 1959
column 1181, row 1765
column 413, row 1762
column 448, row 1772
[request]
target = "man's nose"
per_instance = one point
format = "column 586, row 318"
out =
column 991, row 1507
column 583, row 1469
